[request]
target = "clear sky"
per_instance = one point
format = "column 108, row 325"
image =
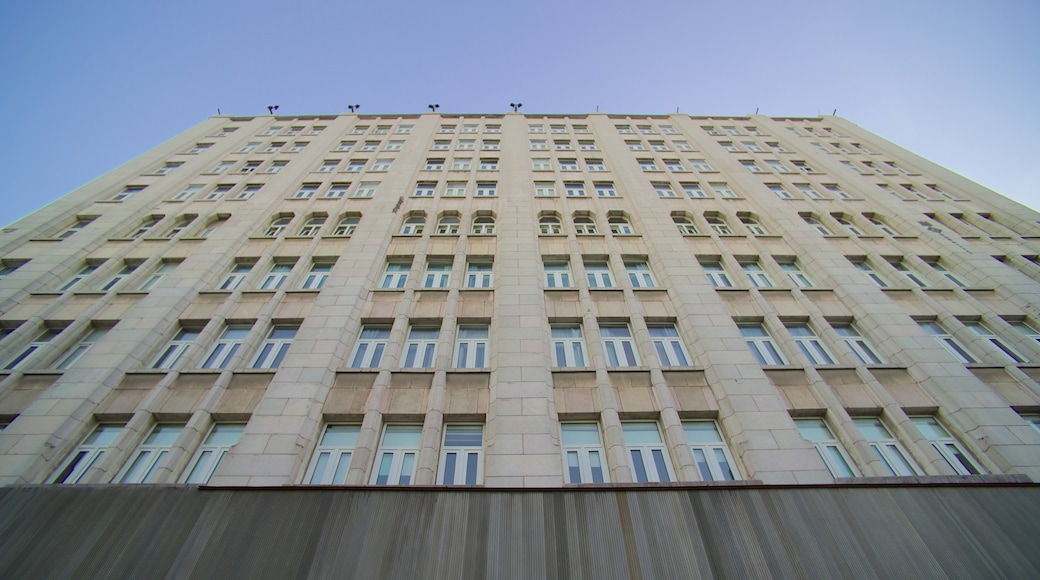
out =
column 87, row 86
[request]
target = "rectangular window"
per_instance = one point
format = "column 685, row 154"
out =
column 815, row 431
column 674, row 165
column 478, row 275
column 329, row 166
column 424, row 189
column 648, row 165
column 396, row 275
column 595, row 165
column 87, row 454
column 751, row 166
column 471, row 345
column 1002, row 348
column 618, row 345
column 757, row 276
column 149, row 454
column 382, row 165
column 894, row 458
column 583, row 457
column 421, row 347
column 466, row 145
column 176, row 348
column 276, row 277
column 95, row 336
column 221, row 438
column 639, row 275
column 38, row 343
column 859, row 345
column 562, row 145
column 710, row 452
column 574, row 189
column 79, row 277
column 187, row 192
column 455, row 189
column 462, row 455
column 222, row 351
column 598, row 275
column 670, row 349
column 158, row 276
column 864, row 267
column 119, row 277
column 683, row 146
column 1025, row 330
column 487, row 189
column 716, row 274
column 794, row 272
column 605, row 190
column 371, row 344
column 438, row 275
column 366, row 189
column 397, row 454
column 568, row 164
column 276, row 166
column 810, row 344
column 317, row 277
column 947, row 446
column 664, row 190
column 544, row 189
column 540, row 164
column 557, row 275
column 780, row 191
column 538, row 145
column 723, row 190
column 761, row 344
column 307, row 191
column 460, row 164
column 808, row 191
column 337, row 190
column 236, row 276
column 909, row 274
column 393, row 145
column 948, row 342
column 346, row 145
column 489, row 164
column 693, row 190
column 249, row 191
column 777, row 166
column 568, row 345
column 647, row 452
column 332, row 455
column 274, row 347
column 947, row 274
column 355, row 166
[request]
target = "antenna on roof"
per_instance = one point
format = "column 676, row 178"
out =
column 835, row 112
column 597, row 108
column 218, row 110
column 677, row 110
column 756, row 110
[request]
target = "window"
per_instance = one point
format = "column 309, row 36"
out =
column 393, row 145
column 298, row 146
column 777, row 166
column 149, row 454
column 562, row 145
column 317, row 277
column 462, row 455
column 664, row 190
column 483, row 226
column 38, row 343
column 433, row 165
column 158, row 276
column 864, row 267
column 618, row 345
column 250, row 167
column 841, row 193
column 683, row 146
column 1025, row 330
column 396, row 275
column 381, row 130
column 1002, row 348
column 359, row 130
column 639, row 275
column 487, row 189
column 605, row 190
column 582, row 453
column 540, row 165
column 859, row 345
column 619, row 226
column 478, row 275
column 488, row 165
column 810, row 344
column 371, row 344
column 332, row 456
column 79, row 277
column 853, row 229
column 549, row 226
column 538, row 145
column 448, row 226
column 221, row 438
column 757, row 276
column 568, row 164
column 752, row 146
column 716, row 274
column 670, row 349
column 909, row 274
column 648, row 165
column 396, row 457
column 693, row 190
column 646, row 449
column 438, row 275
column 441, row 145
column 276, row 166
column 574, row 189
column 709, row 451
column 794, row 272
column 469, row 128
column 685, row 225
column 587, row 145
column 674, row 165
column 722, row 190
column 584, row 225
column 460, row 164
column 276, row 277
column 345, row 145
column 222, row 167
column 815, row 223
column 761, row 344
column 815, row 431
column 119, row 277
column 490, row 146
column 568, row 345
column 424, row 189
column 808, row 191
column 719, row 226
column 421, row 347
column 277, row 227
column 367, row 189
column 624, row 129
column 145, row 226
column 87, row 454
column 466, row 145
column 557, row 274
column 598, row 275
column 275, row 147
column 346, row 226
column 635, row 146
column 471, row 344
column 493, row 129
column 780, row 191
column 413, row 226
column 446, row 129
column 93, row 337
column 312, row 227
column 226, row 346
column 947, row 446
column 751, row 166
column 179, row 226
column 354, row 166
column 595, row 165
column 729, row 146
column 382, row 164
column 455, row 189
column 557, row 128
column 274, row 347
column 893, row 457
column 176, row 348
column 947, row 274
column 236, row 276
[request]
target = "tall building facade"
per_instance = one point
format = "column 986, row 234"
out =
column 522, row 301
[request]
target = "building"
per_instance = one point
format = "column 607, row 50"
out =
column 778, row 308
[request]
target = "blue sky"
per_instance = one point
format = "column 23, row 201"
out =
column 88, row 86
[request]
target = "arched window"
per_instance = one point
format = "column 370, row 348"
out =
column 584, row 226
column 719, row 225
column 753, row 226
column 483, row 225
column 346, row 226
column 550, row 226
column 849, row 226
column 619, row 226
column 413, row 226
column 277, row 227
column 312, row 227
column 882, row 225
column 448, row 226
column 819, row 226
column 182, row 223
column 685, row 225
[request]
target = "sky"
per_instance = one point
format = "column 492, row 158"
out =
column 88, row 86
